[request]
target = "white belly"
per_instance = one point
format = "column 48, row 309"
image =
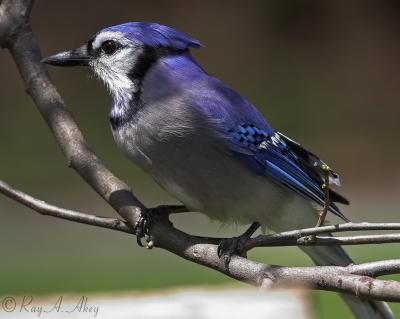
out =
column 208, row 179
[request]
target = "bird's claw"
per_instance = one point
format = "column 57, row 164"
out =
column 147, row 220
column 230, row 247
column 142, row 229
column 236, row 245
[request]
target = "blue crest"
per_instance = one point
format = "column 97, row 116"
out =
column 155, row 35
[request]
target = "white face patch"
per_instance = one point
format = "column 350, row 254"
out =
column 114, row 69
column 109, row 35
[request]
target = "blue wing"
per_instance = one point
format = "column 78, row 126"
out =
column 274, row 157
column 262, row 149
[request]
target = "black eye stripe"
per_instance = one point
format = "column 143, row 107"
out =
column 90, row 46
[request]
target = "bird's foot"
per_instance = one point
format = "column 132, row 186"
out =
column 236, row 245
column 142, row 229
column 149, row 217
column 230, row 247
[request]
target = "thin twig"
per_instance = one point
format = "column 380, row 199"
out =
column 55, row 211
column 291, row 238
column 297, row 235
column 325, row 186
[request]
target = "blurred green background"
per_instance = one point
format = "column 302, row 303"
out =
column 302, row 63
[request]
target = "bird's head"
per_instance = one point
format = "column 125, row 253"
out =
column 121, row 55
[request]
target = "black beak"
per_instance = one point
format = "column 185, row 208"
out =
column 78, row 56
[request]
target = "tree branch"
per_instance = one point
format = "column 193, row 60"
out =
column 18, row 38
column 16, row 35
column 355, row 279
column 50, row 210
column 289, row 238
column 300, row 237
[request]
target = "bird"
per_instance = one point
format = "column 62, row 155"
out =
column 204, row 143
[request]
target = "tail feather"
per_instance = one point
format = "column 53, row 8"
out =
column 362, row 309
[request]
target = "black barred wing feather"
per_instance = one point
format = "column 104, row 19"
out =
column 285, row 161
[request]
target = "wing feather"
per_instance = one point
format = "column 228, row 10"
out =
column 272, row 156
column 258, row 146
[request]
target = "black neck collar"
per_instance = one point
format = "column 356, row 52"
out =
column 145, row 61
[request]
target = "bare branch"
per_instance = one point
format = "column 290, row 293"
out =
column 377, row 268
column 299, row 237
column 354, row 279
column 51, row 210
column 290, row 238
column 80, row 157
column 13, row 16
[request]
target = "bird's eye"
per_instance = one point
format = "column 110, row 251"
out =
column 109, row 47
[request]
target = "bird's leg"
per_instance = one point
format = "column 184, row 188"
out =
column 322, row 215
column 325, row 187
column 235, row 245
column 147, row 219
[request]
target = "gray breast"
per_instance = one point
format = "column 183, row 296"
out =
column 175, row 146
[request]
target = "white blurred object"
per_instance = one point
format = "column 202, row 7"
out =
column 184, row 304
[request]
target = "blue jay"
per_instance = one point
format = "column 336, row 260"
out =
column 203, row 142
